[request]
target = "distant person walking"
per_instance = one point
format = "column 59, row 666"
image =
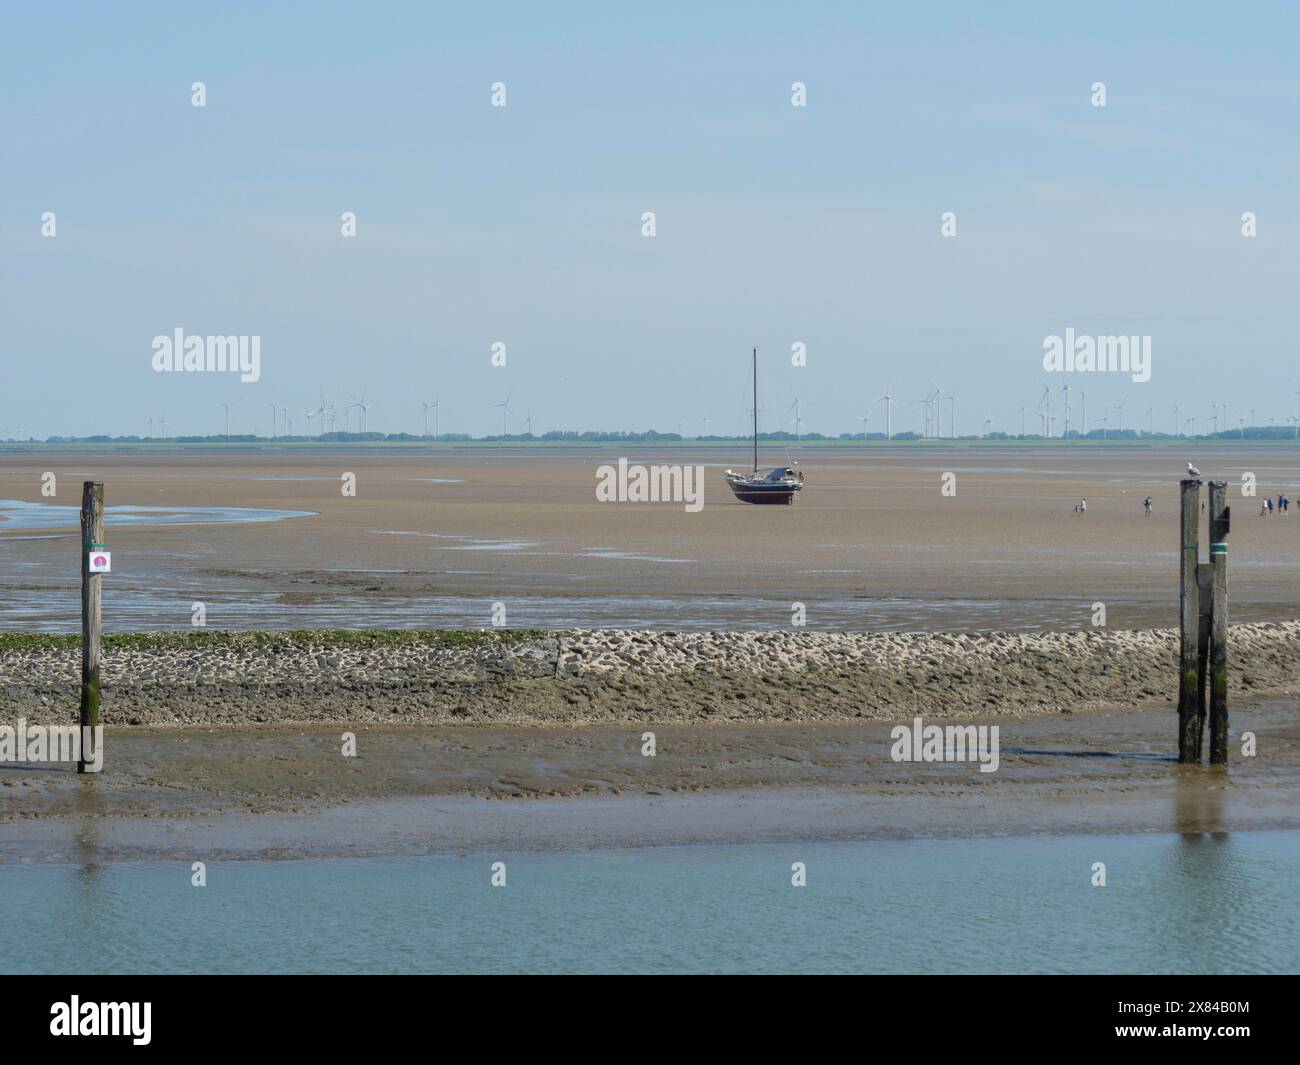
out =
column 1083, row 506
column 1146, row 505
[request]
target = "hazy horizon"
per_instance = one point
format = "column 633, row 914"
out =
column 776, row 225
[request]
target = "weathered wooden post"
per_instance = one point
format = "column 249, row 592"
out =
column 1220, row 515
column 92, row 536
column 1205, row 600
column 1189, row 692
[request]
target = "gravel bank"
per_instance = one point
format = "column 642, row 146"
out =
column 590, row 676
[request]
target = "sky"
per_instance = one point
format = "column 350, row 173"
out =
column 775, row 225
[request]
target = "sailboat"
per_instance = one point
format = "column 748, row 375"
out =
column 779, row 486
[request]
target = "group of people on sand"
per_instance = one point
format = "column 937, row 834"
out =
column 1281, row 506
column 1081, row 507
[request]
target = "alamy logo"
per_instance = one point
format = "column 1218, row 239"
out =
column 194, row 354
column 52, row 743
column 1087, row 354
column 955, row 743
column 651, row 484
column 103, row 1018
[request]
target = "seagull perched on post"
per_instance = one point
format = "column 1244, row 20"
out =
column 1193, row 470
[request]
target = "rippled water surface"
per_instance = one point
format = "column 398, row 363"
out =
column 1171, row 904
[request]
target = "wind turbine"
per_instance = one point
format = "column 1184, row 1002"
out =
column 1045, row 406
column 228, row 406
column 365, row 411
column 1120, row 407
column 924, row 404
column 890, row 407
column 798, row 419
column 1105, row 424
column 273, row 407
column 1151, row 430
column 528, row 425
column 864, row 418
column 1065, row 391
column 1178, row 426
column 987, row 423
column 1083, row 405
column 1022, row 420
column 927, row 405
column 309, row 415
column 505, row 413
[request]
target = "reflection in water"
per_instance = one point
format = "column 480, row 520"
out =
column 1202, row 905
column 1199, row 796
column 83, row 909
column 1217, row 898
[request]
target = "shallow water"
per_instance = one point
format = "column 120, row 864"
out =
column 136, row 605
column 20, row 514
column 1227, row 903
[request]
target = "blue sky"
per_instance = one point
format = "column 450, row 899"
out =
column 775, row 224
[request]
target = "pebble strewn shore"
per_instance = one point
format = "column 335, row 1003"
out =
column 607, row 675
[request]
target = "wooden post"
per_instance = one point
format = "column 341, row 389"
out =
column 92, row 532
column 1220, row 515
column 1204, row 592
column 1189, row 745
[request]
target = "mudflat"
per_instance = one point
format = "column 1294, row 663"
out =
column 287, row 792
column 444, row 532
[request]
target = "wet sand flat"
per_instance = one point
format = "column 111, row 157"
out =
column 871, row 542
column 290, row 792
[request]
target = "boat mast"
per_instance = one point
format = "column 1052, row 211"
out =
column 756, row 412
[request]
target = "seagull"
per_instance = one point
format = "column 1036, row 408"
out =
column 1193, row 470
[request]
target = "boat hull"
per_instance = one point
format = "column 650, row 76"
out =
column 764, row 493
